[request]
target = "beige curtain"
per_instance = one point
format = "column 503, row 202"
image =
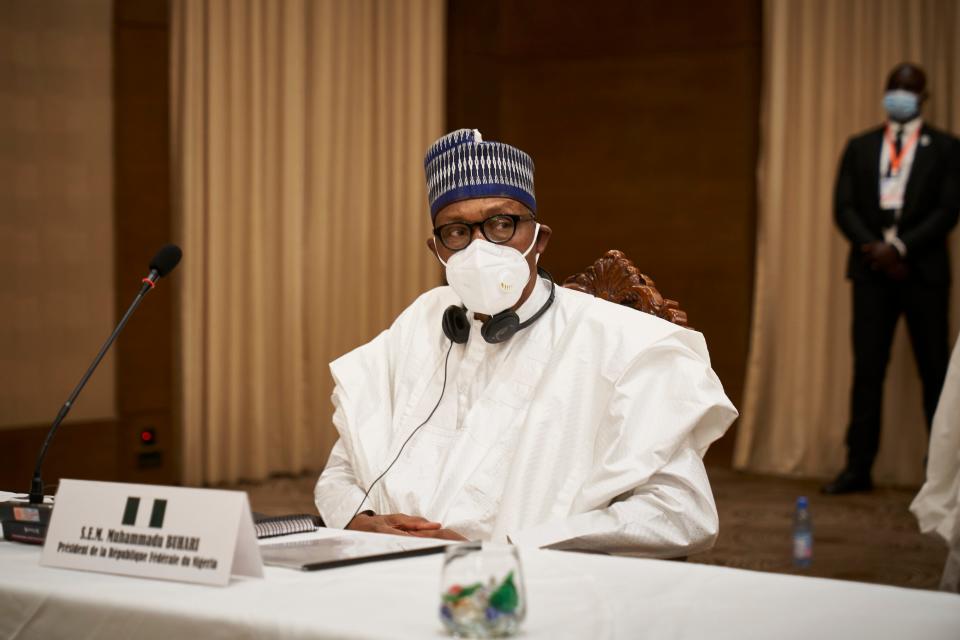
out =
column 825, row 67
column 299, row 132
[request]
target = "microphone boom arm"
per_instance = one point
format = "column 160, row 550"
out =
column 36, row 485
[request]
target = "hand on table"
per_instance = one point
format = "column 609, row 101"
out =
column 442, row 534
column 398, row 524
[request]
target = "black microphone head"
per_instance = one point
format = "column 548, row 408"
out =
column 166, row 259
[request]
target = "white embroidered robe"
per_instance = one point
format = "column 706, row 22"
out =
column 585, row 430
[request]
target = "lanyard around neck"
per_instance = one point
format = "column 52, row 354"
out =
column 897, row 158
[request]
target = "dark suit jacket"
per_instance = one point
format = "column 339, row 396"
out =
column 930, row 207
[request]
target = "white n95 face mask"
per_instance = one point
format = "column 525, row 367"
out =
column 488, row 277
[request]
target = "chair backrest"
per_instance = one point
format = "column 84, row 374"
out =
column 615, row 278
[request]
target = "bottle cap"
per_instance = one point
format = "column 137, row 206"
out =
column 802, row 502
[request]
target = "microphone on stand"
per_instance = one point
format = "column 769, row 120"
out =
column 163, row 263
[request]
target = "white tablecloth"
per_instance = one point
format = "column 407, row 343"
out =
column 569, row 595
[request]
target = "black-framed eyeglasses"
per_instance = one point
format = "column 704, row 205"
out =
column 498, row 229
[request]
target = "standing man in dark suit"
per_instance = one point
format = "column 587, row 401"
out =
column 897, row 198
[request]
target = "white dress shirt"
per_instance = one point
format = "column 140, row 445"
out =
column 899, row 182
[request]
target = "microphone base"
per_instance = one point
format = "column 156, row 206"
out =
column 25, row 522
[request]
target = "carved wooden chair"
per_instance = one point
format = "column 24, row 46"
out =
column 615, row 278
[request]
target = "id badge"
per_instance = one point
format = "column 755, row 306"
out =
column 891, row 192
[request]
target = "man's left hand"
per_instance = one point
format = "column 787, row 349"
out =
column 442, row 534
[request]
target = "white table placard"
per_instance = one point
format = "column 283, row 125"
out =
column 152, row 531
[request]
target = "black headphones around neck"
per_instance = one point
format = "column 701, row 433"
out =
column 500, row 327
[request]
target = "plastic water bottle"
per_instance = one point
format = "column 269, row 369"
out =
column 802, row 534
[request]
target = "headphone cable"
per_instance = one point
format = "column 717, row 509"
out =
column 397, row 457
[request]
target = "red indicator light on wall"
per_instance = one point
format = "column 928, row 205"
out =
column 148, row 436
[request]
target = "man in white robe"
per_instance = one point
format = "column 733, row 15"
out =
column 585, row 429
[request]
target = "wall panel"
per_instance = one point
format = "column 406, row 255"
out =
column 85, row 203
column 641, row 117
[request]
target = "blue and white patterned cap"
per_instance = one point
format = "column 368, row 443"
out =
column 460, row 166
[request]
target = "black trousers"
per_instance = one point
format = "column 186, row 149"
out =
column 877, row 305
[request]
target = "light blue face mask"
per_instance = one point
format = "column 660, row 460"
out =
column 901, row 105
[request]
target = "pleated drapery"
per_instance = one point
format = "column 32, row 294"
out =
column 299, row 129
column 825, row 67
